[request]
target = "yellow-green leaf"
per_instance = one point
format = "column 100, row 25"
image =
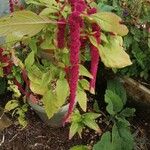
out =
column 113, row 54
column 50, row 104
column 11, row 105
column 110, row 22
column 38, row 89
column 22, row 23
column 62, row 90
column 82, row 99
column 84, row 72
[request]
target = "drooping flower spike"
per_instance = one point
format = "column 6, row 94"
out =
column 94, row 52
column 75, row 23
column 61, row 34
column 11, row 6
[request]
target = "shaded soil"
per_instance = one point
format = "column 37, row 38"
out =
column 38, row 136
column 141, row 124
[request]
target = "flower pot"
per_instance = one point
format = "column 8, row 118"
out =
column 56, row 120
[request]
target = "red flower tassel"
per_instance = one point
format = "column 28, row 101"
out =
column 94, row 57
column 94, row 53
column 75, row 23
column 11, row 6
column 61, row 34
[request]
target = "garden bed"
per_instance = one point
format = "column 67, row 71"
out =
column 38, row 136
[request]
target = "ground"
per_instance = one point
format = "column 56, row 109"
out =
column 38, row 136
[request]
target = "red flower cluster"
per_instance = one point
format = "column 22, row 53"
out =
column 5, row 59
column 61, row 34
column 94, row 56
column 75, row 23
column 13, row 3
column 94, row 52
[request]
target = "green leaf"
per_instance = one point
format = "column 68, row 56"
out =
column 33, row 46
column 39, row 84
column 104, row 7
column 76, row 117
column 46, row 78
column 22, row 121
column 127, row 141
column 115, row 104
column 66, row 11
column 84, row 84
column 105, row 143
column 104, row 38
column 35, row 74
column 38, row 89
column 110, row 22
column 91, row 115
column 84, row 72
column 82, row 99
column 22, row 23
column 11, row 105
column 128, row 112
column 29, row 60
column 113, row 55
column 74, row 128
column 62, row 90
column 79, row 147
column 116, row 86
column 122, row 120
column 116, row 139
column 47, row 11
column 96, row 107
column 50, row 104
column 91, row 124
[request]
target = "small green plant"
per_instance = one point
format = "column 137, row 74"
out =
column 16, row 106
column 78, row 123
column 120, row 138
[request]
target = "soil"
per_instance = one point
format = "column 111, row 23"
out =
column 38, row 136
column 141, row 124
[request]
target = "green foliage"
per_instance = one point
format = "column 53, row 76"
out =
column 17, row 110
column 78, row 122
column 112, row 53
column 135, row 14
column 121, row 137
column 20, row 24
column 115, row 103
column 105, row 143
column 110, row 22
column 79, row 147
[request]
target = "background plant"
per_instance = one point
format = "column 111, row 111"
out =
column 120, row 138
column 135, row 14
